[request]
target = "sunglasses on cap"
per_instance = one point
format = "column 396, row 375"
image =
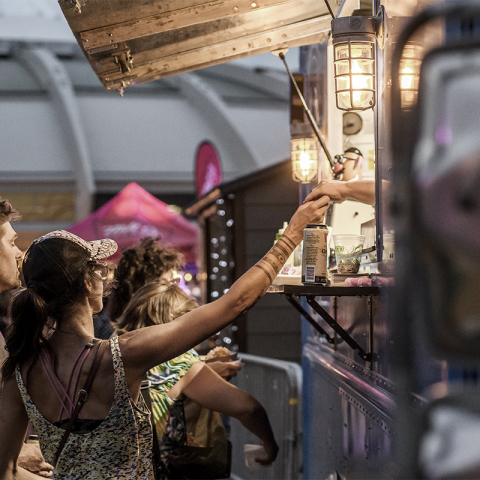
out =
column 102, row 270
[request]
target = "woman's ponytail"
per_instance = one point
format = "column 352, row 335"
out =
column 25, row 336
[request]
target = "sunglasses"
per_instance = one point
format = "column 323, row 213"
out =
column 102, row 270
column 344, row 158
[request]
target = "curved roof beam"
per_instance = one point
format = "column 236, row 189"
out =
column 211, row 106
column 51, row 74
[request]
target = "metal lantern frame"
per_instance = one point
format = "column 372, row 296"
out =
column 411, row 59
column 350, row 33
column 310, row 147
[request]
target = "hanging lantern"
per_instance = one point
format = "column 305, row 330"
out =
column 304, row 159
column 410, row 74
column 353, row 41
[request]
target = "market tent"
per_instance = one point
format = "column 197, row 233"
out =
column 133, row 214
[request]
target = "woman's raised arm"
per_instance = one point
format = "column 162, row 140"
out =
column 145, row 348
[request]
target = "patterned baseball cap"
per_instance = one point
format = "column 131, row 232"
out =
column 55, row 261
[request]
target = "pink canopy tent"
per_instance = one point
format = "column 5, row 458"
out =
column 133, row 214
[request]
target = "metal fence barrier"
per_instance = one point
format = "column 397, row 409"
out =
column 277, row 385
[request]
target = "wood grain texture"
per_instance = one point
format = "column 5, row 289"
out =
column 165, row 38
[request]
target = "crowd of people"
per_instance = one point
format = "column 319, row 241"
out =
column 79, row 393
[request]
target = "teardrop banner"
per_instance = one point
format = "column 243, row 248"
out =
column 208, row 169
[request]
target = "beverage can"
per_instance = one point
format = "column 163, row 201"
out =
column 314, row 256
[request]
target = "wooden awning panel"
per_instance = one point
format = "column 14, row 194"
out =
column 128, row 42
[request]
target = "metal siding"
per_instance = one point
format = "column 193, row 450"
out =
column 347, row 418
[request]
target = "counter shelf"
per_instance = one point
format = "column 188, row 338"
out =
column 312, row 291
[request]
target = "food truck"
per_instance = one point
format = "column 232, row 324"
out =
column 390, row 352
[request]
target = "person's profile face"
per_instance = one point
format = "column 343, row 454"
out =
column 10, row 255
column 95, row 297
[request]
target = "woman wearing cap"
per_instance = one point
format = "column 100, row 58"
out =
column 51, row 354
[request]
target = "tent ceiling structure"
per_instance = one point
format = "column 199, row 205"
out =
column 128, row 42
column 133, row 214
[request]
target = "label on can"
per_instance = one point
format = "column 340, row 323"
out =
column 314, row 256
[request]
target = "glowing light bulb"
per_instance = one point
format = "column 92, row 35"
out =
column 359, row 82
column 407, row 80
column 304, row 162
column 304, row 159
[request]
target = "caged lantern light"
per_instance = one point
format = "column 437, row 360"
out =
column 410, row 74
column 353, row 40
column 304, row 159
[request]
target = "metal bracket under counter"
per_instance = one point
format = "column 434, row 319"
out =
column 312, row 291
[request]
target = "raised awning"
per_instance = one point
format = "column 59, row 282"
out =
column 128, row 42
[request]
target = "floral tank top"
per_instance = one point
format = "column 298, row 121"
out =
column 119, row 448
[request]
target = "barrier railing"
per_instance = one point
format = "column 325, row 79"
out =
column 277, row 385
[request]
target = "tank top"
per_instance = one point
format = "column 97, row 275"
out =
column 119, row 448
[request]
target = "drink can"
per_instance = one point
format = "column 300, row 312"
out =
column 314, row 256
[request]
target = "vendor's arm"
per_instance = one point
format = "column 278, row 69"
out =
column 147, row 347
column 13, row 428
column 338, row 191
column 209, row 390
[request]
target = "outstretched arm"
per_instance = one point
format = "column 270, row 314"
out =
column 145, row 348
column 338, row 191
column 202, row 385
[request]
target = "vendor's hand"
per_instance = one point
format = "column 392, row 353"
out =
column 310, row 212
column 335, row 189
column 271, row 450
column 226, row 370
column 31, row 459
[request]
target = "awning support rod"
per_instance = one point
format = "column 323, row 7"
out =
column 312, row 121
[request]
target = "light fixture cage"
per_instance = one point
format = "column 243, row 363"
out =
column 304, row 159
column 353, row 41
column 410, row 64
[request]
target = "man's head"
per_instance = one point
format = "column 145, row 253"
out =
column 9, row 252
column 349, row 165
